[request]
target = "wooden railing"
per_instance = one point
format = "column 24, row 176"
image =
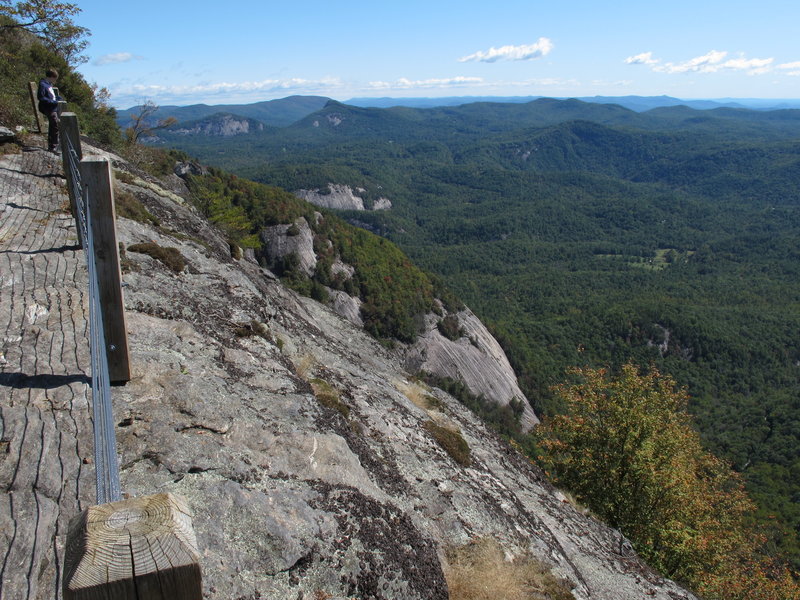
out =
column 139, row 548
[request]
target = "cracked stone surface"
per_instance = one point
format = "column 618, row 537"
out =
column 293, row 496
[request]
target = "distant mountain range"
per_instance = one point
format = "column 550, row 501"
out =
column 285, row 111
column 278, row 113
column 637, row 103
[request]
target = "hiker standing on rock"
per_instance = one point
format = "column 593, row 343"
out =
column 48, row 106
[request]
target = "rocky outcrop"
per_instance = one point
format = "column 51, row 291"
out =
column 346, row 306
column 301, row 444
column 221, row 126
column 382, row 204
column 474, row 357
column 6, row 135
column 341, row 197
column 295, row 240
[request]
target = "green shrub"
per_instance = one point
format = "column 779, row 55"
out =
column 328, row 396
column 169, row 256
column 451, row 441
column 129, row 207
column 450, row 328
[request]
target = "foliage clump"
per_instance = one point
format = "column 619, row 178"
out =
column 450, row 328
column 480, row 571
column 451, row 442
column 328, row 396
column 394, row 292
column 626, row 448
column 128, row 206
column 24, row 56
column 505, row 419
column 169, row 256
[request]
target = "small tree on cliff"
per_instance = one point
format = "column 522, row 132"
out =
column 142, row 123
column 627, row 450
column 51, row 22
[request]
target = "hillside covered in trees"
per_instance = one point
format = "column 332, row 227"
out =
column 592, row 235
column 586, row 235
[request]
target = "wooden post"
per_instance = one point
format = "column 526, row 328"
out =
column 70, row 135
column 97, row 179
column 137, row 549
column 33, row 88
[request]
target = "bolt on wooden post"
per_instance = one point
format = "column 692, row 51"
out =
column 138, row 549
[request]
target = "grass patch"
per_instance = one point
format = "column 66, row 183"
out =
column 480, row 571
column 10, row 148
column 124, row 176
column 451, row 441
column 420, row 396
column 128, row 206
column 304, row 366
column 171, row 257
column 328, row 396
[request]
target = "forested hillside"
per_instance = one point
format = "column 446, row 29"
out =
column 592, row 235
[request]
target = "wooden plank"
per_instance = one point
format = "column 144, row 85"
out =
column 96, row 178
column 138, row 549
column 70, row 131
column 70, row 135
column 33, row 88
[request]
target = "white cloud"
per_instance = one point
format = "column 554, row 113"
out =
column 223, row 91
column 708, row 63
column 116, row 58
column 541, row 48
column 645, row 58
column 711, row 62
column 406, row 84
column 792, row 68
column 753, row 66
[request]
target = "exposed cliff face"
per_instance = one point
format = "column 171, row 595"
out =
column 300, row 442
column 340, row 197
column 474, row 358
column 297, row 239
column 221, row 125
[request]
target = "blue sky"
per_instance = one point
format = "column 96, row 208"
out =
column 247, row 51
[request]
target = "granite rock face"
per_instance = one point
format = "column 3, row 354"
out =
column 297, row 239
column 475, row 358
column 223, row 125
column 299, row 442
column 341, row 197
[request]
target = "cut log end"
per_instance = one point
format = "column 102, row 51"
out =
column 142, row 549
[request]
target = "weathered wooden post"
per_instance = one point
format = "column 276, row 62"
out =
column 70, row 137
column 137, row 549
column 97, row 180
column 33, row 88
